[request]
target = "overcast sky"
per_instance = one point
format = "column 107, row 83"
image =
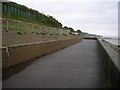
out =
column 92, row 16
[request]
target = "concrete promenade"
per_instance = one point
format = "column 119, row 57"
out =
column 77, row 66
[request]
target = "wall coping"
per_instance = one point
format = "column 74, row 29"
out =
column 20, row 45
column 113, row 54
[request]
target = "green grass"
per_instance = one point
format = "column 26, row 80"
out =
column 26, row 19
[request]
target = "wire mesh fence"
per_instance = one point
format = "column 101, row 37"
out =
column 8, row 24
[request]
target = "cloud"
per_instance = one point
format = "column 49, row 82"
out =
column 58, row 1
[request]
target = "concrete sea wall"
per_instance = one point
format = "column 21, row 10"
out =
column 20, row 53
column 111, row 63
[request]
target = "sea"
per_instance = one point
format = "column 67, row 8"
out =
column 113, row 41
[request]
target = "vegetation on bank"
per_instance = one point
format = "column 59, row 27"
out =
column 16, row 11
column 72, row 30
column 19, row 12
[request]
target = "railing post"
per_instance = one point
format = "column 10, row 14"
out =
column 16, row 25
column 32, row 27
column 22, row 26
column 7, row 25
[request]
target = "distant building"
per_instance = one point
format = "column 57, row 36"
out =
column 75, row 33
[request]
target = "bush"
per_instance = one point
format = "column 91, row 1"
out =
column 42, row 33
column 38, row 33
column 20, row 32
column 24, row 32
column 70, row 33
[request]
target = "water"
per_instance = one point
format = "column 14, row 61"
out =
column 113, row 41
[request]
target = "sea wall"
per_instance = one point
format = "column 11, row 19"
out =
column 20, row 53
column 111, row 63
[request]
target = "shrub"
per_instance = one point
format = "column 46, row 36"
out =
column 42, row 33
column 24, row 32
column 37, row 32
column 70, row 33
column 20, row 32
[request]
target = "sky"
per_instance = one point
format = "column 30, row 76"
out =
column 93, row 16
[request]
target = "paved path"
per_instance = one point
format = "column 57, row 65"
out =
column 77, row 66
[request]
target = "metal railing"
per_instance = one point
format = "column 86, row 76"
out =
column 8, row 24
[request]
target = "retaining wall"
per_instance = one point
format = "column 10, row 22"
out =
column 111, row 63
column 20, row 53
column 4, row 57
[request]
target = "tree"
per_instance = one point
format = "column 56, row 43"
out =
column 79, row 31
column 65, row 27
column 71, row 29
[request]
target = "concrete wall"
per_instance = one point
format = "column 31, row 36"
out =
column 111, row 63
column 21, row 53
column 4, row 57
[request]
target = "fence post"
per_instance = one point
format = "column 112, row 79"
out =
column 16, row 25
column 30, row 26
column 7, row 25
column 22, row 26
column 33, row 27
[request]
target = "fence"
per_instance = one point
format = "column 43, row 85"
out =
column 8, row 24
